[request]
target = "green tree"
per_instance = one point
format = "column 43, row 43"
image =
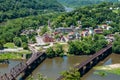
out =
column 50, row 52
column 59, row 50
column 116, row 44
column 25, row 45
column 24, row 38
column 87, row 45
column 17, row 41
column 107, row 32
column 1, row 44
column 44, row 30
column 72, row 74
column 72, row 48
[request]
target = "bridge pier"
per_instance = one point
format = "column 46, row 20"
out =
column 95, row 61
column 90, row 65
column 82, row 71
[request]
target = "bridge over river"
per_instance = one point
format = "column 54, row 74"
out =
column 25, row 68
column 37, row 58
column 92, row 61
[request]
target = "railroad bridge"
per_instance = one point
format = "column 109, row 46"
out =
column 37, row 58
column 85, row 66
column 25, row 68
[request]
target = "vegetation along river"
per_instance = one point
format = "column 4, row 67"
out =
column 53, row 67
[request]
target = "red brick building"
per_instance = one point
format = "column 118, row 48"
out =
column 48, row 38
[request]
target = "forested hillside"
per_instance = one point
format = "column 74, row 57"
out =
column 78, row 3
column 10, row 9
column 91, row 16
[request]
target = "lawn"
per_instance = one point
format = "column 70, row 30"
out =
column 115, row 11
column 10, row 56
column 13, row 55
column 9, row 45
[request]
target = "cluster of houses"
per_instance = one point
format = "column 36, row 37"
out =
column 62, row 34
column 72, row 33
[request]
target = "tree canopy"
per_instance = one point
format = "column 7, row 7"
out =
column 10, row 9
column 87, row 45
column 116, row 44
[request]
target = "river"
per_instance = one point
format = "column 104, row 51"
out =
column 5, row 68
column 53, row 67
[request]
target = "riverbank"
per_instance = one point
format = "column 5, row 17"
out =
column 113, row 68
column 95, row 74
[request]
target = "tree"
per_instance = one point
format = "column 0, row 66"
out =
column 72, row 48
column 59, row 50
column 24, row 38
column 8, row 36
column 116, row 44
column 17, row 41
column 107, row 32
column 50, row 52
column 1, row 44
column 87, row 45
column 25, row 45
column 72, row 74
column 44, row 30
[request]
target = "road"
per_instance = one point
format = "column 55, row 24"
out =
column 11, row 50
column 39, row 40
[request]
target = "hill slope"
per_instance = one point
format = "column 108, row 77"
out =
column 91, row 16
column 77, row 3
column 10, row 9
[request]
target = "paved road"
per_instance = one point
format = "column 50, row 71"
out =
column 11, row 50
column 39, row 40
column 51, row 44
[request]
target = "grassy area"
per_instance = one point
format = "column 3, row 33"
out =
column 25, row 52
column 64, row 45
column 115, row 11
column 114, row 69
column 13, row 55
column 9, row 45
column 101, row 73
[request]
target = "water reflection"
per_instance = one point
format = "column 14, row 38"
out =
column 5, row 68
column 52, row 67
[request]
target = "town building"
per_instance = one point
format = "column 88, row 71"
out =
column 64, row 30
column 48, row 38
column 98, row 31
